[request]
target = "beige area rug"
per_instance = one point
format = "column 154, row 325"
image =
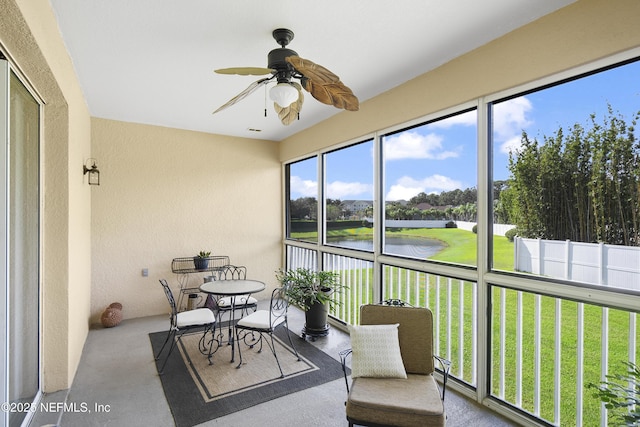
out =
column 198, row 392
column 224, row 378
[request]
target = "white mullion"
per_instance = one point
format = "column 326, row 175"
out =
column 341, row 270
column 348, row 273
column 407, row 285
column 417, row 286
column 632, row 337
column 427, row 299
column 474, row 333
column 537, row 351
column 519, row 351
column 449, row 318
column 604, row 359
column 580, row 364
column 503, row 345
column 557, row 363
column 437, row 316
column 460, row 328
column 4, row 250
column 357, row 296
column 390, row 274
column 482, row 353
column 378, row 215
column 632, row 348
column 369, row 285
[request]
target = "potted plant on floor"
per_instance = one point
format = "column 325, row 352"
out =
column 312, row 291
column 201, row 261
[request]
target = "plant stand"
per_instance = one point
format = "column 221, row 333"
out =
column 185, row 267
column 314, row 333
column 316, row 321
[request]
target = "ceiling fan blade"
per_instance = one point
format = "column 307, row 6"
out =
column 290, row 114
column 245, row 71
column 248, row 91
column 324, row 85
column 336, row 94
column 311, row 70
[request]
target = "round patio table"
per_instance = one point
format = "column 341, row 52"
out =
column 232, row 288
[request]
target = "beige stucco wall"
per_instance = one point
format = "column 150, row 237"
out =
column 29, row 34
column 167, row 193
column 583, row 32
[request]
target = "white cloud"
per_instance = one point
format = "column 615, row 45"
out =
column 412, row 145
column 509, row 119
column 349, row 190
column 305, row 187
column 511, row 145
column 407, row 187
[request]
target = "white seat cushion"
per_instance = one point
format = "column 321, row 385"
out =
column 259, row 320
column 199, row 316
column 240, row 301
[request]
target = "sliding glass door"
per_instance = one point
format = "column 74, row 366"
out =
column 19, row 244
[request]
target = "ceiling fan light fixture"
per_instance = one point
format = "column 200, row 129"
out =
column 283, row 94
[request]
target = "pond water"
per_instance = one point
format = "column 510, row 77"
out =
column 414, row 247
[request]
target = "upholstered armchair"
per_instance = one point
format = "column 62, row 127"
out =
column 392, row 367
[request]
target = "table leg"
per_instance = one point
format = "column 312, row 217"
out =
column 232, row 328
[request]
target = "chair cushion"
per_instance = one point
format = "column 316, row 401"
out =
column 413, row 401
column 199, row 316
column 225, row 303
column 259, row 320
column 376, row 352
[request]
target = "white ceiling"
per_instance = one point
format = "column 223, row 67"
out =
column 152, row 61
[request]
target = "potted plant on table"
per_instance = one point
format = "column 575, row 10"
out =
column 201, row 261
column 312, row 291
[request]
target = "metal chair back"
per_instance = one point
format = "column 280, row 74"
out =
column 232, row 272
column 172, row 302
column 278, row 306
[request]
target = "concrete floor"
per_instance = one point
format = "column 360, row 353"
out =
column 117, row 385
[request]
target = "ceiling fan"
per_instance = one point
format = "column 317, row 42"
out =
column 284, row 65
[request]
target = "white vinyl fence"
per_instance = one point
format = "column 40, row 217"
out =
column 498, row 229
column 600, row 264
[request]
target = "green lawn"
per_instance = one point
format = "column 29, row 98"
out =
column 461, row 248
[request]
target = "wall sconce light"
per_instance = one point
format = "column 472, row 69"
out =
column 94, row 173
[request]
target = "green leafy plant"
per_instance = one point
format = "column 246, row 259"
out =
column 203, row 254
column 305, row 287
column 621, row 395
column 511, row 234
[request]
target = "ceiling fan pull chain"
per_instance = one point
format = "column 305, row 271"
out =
column 265, row 100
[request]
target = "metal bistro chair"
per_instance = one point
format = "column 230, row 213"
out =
column 242, row 302
column 265, row 323
column 224, row 305
column 200, row 318
column 399, row 389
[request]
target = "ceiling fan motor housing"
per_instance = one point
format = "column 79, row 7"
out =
column 276, row 61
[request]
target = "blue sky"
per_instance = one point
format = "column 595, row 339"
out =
column 442, row 156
